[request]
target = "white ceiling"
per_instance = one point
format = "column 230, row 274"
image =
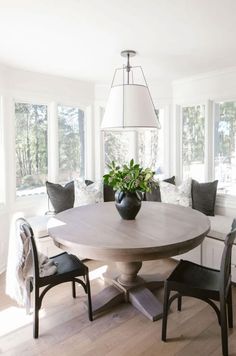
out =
column 83, row 38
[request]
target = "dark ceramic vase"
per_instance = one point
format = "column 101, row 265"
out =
column 128, row 204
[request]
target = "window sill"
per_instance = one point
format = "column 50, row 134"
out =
column 224, row 200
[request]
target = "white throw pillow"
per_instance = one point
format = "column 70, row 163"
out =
column 87, row 194
column 180, row 195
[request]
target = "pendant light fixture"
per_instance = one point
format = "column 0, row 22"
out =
column 129, row 105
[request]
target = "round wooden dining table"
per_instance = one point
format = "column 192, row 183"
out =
column 159, row 231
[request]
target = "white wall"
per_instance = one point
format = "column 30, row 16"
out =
column 218, row 85
column 39, row 88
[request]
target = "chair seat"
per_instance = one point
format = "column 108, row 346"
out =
column 195, row 276
column 209, row 285
column 67, row 267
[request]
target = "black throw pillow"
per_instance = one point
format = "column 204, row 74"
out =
column 155, row 194
column 108, row 193
column 204, row 197
column 170, row 180
column 62, row 198
column 88, row 182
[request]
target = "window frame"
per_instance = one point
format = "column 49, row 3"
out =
column 179, row 114
column 53, row 143
column 223, row 200
column 216, row 102
column 164, row 121
column 85, row 138
column 31, row 101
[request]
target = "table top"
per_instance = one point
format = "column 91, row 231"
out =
column 159, row 231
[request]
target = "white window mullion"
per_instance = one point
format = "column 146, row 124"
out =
column 53, row 148
column 164, row 141
column 224, row 140
column 193, row 142
column 89, row 144
column 177, row 146
column 209, row 142
column 9, row 150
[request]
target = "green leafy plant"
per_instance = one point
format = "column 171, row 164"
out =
column 130, row 178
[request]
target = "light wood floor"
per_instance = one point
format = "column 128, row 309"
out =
column 66, row 330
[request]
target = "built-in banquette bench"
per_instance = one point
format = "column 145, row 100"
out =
column 39, row 223
column 208, row 254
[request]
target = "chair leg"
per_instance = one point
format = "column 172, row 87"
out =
column 36, row 313
column 90, row 311
column 179, row 303
column 165, row 311
column 73, row 289
column 224, row 327
column 230, row 308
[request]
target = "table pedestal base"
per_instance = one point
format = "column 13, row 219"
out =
column 130, row 288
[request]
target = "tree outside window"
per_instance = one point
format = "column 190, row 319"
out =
column 225, row 147
column 143, row 146
column 193, row 142
column 71, row 143
column 31, row 148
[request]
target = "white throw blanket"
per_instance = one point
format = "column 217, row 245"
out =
column 20, row 264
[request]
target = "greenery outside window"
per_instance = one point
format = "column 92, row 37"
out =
column 143, row 146
column 71, row 129
column 193, row 142
column 225, row 147
column 31, row 148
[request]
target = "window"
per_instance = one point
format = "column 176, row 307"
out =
column 193, row 142
column 71, row 143
column 119, row 146
column 225, row 147
column 144, row 146
column 31, row 148
column 148, row 149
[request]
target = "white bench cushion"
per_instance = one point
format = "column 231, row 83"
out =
column 220, row 226
column 39, row 225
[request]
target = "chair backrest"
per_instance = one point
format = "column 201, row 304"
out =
column 27, row 232
column 225, row 267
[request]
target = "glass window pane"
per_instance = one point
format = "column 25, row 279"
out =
column 71, row 143
column 149, row 149
column 193, row 142
column 119, row 146
column 145, row 147
column 225, row 147
column 31, row 148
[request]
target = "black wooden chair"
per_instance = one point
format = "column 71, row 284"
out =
column 69, row 267
column 207, row 284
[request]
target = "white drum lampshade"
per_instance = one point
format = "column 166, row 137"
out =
column 129, row 105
